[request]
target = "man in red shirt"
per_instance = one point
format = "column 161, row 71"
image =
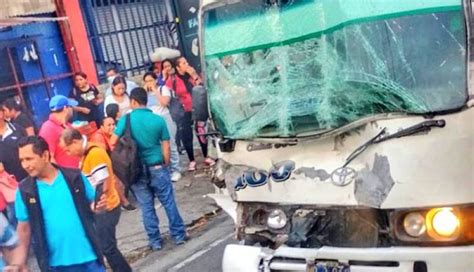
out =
column 61, row 113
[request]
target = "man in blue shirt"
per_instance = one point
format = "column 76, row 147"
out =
column 54, row 205
column 151, row 135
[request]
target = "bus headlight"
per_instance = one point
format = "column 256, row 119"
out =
column 442, row 222
column 277, row 219
column 444, row 225
column 414, row 224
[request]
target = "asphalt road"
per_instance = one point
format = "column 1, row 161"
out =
column 203, row 252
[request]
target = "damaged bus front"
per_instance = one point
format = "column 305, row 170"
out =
column 346, row 133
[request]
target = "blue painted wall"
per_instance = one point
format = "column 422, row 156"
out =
column 50, row 49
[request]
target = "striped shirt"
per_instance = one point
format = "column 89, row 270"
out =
column 97, row 167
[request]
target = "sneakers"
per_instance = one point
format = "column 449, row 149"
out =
column 155, row 247
column 182, row 241
column 175, row 176
column 129, row 207
column 192, row 166
column 209, row 161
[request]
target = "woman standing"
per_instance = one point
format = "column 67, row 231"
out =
column 182, row 83
column 158, row 101
column 88, row 98
column 166, row 71
column 119, row 95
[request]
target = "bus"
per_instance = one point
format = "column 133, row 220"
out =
column 344, row 133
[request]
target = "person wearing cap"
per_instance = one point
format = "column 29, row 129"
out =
column 61, row 112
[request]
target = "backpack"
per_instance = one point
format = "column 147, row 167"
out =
column 175, row 106
column 125, row 159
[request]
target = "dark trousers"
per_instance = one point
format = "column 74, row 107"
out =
column 200, row 128
column 106, row 224
column 179, row 132
column 186, row 135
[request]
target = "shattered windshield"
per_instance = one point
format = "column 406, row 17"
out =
column 282, row 68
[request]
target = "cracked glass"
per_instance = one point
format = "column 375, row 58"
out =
column 286, row 68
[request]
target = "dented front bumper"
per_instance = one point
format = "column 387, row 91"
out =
column 239, row 258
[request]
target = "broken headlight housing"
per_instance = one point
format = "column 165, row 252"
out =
column 438, row 225
column 277, row 219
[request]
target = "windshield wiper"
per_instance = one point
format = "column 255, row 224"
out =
column 381, row 136
column 418, row 128
column 363, row 147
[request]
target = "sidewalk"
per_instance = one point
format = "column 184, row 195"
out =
column 190, row 193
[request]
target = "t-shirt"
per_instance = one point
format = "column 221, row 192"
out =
column 97, row 166
column 8, row 237
column 183, row 89
column 124, row 106
column 148, row 131
column 66, row 237
column 101, row 140
column 160, row 81
column 51, row 131
column 186, row 78
column 23, row 121
column 154, row 103
column 85, row 99
column 9, row 151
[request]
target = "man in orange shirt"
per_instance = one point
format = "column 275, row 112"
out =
column 97, row 167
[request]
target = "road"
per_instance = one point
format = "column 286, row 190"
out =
column 203, row 252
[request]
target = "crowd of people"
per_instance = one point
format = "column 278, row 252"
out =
column 58, row 180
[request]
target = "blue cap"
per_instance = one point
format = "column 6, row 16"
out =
column 58, row 102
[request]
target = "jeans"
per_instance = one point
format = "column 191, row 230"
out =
column 158, row 184
column 106, row 224
column 174, row 154
column 93, row 266
column 10, row 214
